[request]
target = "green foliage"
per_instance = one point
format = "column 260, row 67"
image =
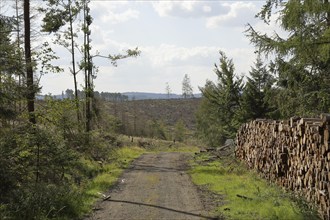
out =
column 257, row 89
column 10, row 69
column 34, row 163
column 246, row 196
column 58, row 14
column 157, row 129
column 106, row 176
column 9, row 58
column 58, row 115
column 129, row 53
column 45, row 166
column 302, row 59
column 180, row 131
column 111, row 124
column 219, row 113
column 209, row 127
column 44, row 201
column 294, row 83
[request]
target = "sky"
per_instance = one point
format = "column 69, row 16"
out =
column 175, row 38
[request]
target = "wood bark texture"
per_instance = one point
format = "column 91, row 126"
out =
column 294, row 153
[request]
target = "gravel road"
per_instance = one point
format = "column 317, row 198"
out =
column 156, row 187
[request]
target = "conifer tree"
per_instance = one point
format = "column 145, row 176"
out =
column 254, row 103
column 168, row 90
column 187, row 90
column 9, row 68
column 222, row 103
column 302, row 59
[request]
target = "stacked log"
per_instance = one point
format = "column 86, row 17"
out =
column 295, row 154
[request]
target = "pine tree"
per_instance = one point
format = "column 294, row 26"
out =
column 302, row 60
column 168, row 90
column 179, row 130
column 187, row 90
column 222, row 103
column 10, row 68
column 254, row 102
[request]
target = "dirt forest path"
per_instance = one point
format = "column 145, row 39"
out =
column 155, row 187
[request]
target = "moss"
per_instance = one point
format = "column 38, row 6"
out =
column 247, row 196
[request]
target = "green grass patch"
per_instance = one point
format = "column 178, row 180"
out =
column 157, row 145
column 122, row 157
column 246, row 195
column 109, row 174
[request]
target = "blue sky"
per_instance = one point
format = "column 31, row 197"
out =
column 175, row 38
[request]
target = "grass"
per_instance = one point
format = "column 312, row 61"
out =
column 246, row 195
column 93, row 189
column 156, row 145
column 103, row 177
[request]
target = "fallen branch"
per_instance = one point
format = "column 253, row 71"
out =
column 243, row 197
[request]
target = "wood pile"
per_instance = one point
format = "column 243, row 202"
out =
column 294, row 153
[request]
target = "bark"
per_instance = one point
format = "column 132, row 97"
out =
column 74, row 63
column 87, row 69
column 29, row 71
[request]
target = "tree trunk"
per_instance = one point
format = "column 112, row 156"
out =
column 87, row 68
column 29, row 75
column 29, row 71
column 74, row 64
column 326, row 2
column 19, row 53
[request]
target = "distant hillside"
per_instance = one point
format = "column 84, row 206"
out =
column 135, row 115
column 109, row 95
column 146, row 95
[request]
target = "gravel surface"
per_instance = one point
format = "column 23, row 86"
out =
column 155, row 187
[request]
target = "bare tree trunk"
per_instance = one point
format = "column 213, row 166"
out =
column 29, row 76
column 88, row 67
column 85, row 67
column 20, row 73
column 74, row 64
column 29, row 71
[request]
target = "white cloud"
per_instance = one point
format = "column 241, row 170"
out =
column 169, row 50
column 106, row 5
column 115, row 18
column 189, row 8
column 166, row 54
column 217, row 13
column 156, row 66
column 207, row 8
column 113, row 12
column 240, row 14
column 168, row 63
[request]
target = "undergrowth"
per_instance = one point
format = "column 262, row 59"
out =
column 157, row 145
column 110, row 172
column 246, row 195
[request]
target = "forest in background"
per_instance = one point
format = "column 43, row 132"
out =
column 49, row 149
